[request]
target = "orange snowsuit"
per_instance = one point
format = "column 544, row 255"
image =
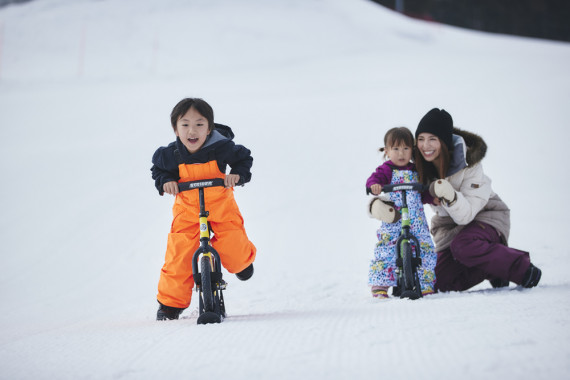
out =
column 230, row 239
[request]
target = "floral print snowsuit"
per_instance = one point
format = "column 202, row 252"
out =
column 383, row 266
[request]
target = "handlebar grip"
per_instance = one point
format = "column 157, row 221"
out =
column 415, row 186
column 214, row 182
column 185, row 186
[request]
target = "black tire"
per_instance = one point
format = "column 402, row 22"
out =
column 206, row 286
column 209, row 317
column 397, row 290
column 418, row 285
column 217, row 303
column 222, row 305
column 407, row 265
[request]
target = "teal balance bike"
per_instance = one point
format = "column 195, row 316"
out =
column 407, row 246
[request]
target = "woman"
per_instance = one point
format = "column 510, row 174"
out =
column 471, row 226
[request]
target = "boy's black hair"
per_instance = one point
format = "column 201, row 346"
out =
column 198, row 104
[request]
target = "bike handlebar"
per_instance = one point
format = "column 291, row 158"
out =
column 413, row 186
column 203, row 183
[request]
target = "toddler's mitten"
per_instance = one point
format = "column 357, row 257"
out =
column 383, row 211
column 444, row 191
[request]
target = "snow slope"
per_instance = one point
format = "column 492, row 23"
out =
column 86, row 88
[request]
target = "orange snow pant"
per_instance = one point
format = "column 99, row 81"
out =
column 230, row 239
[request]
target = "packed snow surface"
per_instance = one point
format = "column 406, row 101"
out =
column 86, row 89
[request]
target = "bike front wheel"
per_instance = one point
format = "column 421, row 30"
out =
column 206, row 285
column 407, row 265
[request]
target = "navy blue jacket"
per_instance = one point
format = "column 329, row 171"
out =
column 218, row 146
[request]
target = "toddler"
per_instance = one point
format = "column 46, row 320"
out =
column 398, row 149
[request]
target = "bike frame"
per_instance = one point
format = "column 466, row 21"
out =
column 405, row 238
column 205, row 247
column 405, row 234
column 206, row 250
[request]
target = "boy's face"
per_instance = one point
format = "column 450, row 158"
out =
column 192, row 128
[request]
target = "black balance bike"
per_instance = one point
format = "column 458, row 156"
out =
column 407, row 260
column 207, row 276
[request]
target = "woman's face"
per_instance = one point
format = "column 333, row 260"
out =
column 429, row 146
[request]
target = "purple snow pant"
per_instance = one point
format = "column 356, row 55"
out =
column 476, row 254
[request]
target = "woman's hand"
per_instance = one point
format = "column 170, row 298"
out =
column 170, row 187
column 444, row 191
column 376, row 189
column 231, row 180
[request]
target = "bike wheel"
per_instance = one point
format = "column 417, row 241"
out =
column 206, row 286
column 222, row 305
column 407, row 265
column 418, row 286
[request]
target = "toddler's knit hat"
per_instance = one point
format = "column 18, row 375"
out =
column 437, row 122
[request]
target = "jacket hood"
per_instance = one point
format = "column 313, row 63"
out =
column 468, row 149
column 224, row 130
column 476, row 146
column 213, row 138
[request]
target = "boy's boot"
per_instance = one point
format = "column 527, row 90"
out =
column 246, row 273
column 531, row 277
column 167, row 312
column 383, row 210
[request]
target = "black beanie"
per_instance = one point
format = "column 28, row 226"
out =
column 437, row 122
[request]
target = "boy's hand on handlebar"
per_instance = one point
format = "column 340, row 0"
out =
column 170, row 187
column 376, row 189
column 231, row 180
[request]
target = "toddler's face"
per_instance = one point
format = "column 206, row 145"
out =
column 400, row 155
column 192, row 128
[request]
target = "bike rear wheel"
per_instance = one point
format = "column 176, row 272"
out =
column 206, row 284
column 418, row 285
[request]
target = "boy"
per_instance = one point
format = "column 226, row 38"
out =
column 202, row 150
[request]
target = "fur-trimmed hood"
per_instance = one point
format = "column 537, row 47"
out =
column 468, row 149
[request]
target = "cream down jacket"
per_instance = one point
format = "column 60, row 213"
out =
column 475, row 197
